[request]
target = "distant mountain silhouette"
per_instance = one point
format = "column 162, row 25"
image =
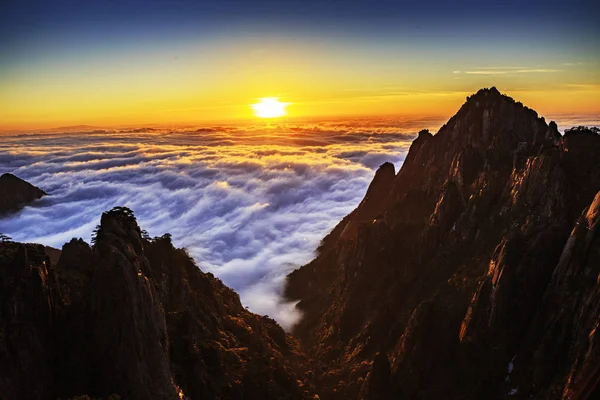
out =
column 472, row 273
column 15, row 193
column 74, row 128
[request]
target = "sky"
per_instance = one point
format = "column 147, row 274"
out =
column 116, row 63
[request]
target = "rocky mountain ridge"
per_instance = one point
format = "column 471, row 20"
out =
column 134, row 318
column 475, row 276
column 16, row 193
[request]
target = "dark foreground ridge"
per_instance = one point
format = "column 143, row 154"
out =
column 15, row 193
column 472, row 273
column 136, row 318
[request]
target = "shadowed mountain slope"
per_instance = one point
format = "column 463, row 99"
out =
column 472, row 273
column 137, row 318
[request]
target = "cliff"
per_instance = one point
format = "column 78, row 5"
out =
column 472, row 273
column 135, row 318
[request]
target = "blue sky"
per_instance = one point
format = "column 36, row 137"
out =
column 82, row 61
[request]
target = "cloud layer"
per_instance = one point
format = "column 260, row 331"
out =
column 249, row 204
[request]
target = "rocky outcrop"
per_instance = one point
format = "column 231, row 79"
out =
column 218, row 349
column 476, row 272
column 134, row 318
column 28, row 299
column 131, row 359
column 15, row 193
column 561, row 352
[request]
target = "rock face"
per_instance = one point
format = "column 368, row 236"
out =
column 15, row 193
column 28, row 295
column 137, row 318
column 474, row 271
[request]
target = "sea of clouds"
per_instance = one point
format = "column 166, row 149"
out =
column 249, row 203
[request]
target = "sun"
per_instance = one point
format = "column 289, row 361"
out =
column 270, row 107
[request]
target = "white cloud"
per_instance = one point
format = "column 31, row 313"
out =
column 250, row 205
column 507, row 71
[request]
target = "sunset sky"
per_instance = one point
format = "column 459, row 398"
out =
column 112, row 63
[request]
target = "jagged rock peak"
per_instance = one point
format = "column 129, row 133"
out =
column 491, row 119
column 491, row 94
column 377, row 191
column 121, row 222
column 466, row 266
column 485, row 98
column 122, row 215
column 381, row 181
column 15, row 193
column 491, row 91
column 118, row 228
column 424, row 133
column 385, row 169
column 139, row 323
column 14, row 178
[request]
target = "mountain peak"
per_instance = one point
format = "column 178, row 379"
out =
column 491, row 91
column 8, row 178
column 119, row 229
column 119, row 219
column 490, row 119
column 15, row 193
column 386, row 168
column 424, row 133
column 453, row 254
column 377, row 192
column 488, row 97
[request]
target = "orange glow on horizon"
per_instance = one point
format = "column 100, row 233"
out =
column 237, row 77
column 37, row 103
